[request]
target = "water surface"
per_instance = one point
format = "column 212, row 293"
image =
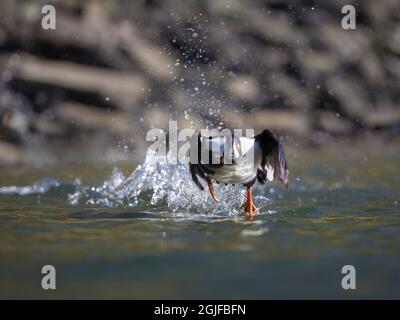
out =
column 107, row 241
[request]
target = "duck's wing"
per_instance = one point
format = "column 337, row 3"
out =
column 195, row 171
column 273, row 160
column 203, row 147
column 277, row 166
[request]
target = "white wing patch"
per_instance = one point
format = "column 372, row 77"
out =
column 246, row 144
column 270, row 172
column 218, row 146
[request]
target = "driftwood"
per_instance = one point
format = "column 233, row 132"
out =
column 89, row 118
column 284, row 121
column 114, row 69
column 125, row 88
column 10, row 154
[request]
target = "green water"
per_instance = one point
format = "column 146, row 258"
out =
column 343, row 207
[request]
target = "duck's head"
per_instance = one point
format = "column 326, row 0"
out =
column 273, row 159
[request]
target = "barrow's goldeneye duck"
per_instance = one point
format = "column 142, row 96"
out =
column 232, row 160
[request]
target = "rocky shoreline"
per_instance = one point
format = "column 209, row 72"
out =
column 93, row 87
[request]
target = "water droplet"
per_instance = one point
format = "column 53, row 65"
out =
column 6, row 76
column 186, row 115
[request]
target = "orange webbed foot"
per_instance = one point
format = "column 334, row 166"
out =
column 211, row 189
column 248, row 205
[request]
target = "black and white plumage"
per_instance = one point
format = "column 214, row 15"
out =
column 238, row 160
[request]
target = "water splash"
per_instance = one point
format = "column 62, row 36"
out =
column 160, row 181
column 39, row 187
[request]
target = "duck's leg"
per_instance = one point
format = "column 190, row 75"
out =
column 248, row 204
column 250, row 200
column 212, row 191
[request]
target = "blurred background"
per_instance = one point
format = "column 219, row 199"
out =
column 89, row 90
column 76, row 104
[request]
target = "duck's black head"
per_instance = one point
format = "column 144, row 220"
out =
column 273, row 156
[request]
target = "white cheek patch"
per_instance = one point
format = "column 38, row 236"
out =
column 270, row 172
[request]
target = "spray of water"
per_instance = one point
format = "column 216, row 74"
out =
column 39, row 187
column 158, row 181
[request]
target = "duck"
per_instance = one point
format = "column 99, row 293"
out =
column 230, row 159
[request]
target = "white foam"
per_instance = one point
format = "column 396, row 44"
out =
column 160, row 180
column 41, row 186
